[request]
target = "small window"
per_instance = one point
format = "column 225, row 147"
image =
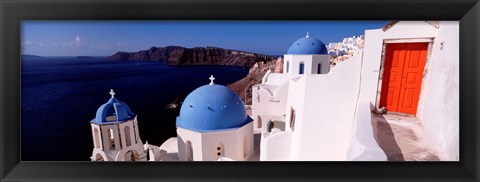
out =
column 96, row 137
column 111, row 139
column 128, row 138
column 319, row 68
column 245, row 147
column 269, row 126
column 301, row 68
column 287, row 68
column 292, row 118
column 220, row 150
column 188, row 151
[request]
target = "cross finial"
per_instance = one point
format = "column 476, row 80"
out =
column 307, row 35
column 211, row 79
column 112, row 93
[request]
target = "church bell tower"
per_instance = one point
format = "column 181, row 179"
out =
column 115, row 133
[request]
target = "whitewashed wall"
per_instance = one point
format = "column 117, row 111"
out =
column 364, row 147
column 271, row 103
column 310, row 63
column 439, row 98
column 211, row 140
column 320, row 59
column 324, row 123
column 438, row 107
column 183, row 136
column 276, row 146
column 205, row 144
column 295, row 100
column 295, row 63
column 270, row 100
column 233, row 140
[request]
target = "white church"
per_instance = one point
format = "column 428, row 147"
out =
column 307, row 111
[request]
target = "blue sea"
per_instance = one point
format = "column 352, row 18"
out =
column 60, row 96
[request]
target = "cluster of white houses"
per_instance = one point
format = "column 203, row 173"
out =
column 307, row 111
column 348, row 45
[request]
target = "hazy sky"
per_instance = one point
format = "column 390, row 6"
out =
column 103, row 38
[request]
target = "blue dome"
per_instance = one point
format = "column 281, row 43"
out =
column 113, row 111
column 212, row 107
column 307, row 45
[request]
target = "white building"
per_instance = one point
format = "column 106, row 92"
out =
column 213, row 123
column 327, row 116
column 333, row 46
column 312, row 113
column 115, row 133
column 348, row 45
column 305, row 56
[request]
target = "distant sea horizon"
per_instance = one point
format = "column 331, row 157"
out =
column 60, row 96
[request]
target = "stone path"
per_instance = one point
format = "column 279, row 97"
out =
column 402, row 138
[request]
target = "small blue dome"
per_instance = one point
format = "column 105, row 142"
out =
column 113, row 111
column 307, row 45
column 212, row 107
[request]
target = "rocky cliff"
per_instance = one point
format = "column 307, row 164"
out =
column 243, row 87
column 176, row 55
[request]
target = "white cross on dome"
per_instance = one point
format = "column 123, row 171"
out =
column 112, row 93
column 211, row 79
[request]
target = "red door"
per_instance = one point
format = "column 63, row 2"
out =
column 402, row 76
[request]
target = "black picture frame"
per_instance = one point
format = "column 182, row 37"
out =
column 12, row 12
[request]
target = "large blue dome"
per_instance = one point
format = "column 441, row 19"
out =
column 113, row 111
column 212, row 107
column 307, row 45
